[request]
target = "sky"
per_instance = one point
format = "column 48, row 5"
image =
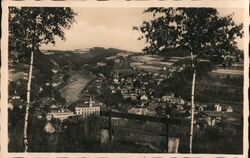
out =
column 112, row 27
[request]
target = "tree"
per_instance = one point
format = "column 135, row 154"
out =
column 31, row 27
column 111, row 98
column 201, row 31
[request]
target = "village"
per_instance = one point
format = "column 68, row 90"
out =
column 136, row 93
column 127, row 80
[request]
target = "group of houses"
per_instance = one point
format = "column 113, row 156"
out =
column 219, row 114
column 149, row 107
column 83, row 108
column 134, row 85
column 157, row 106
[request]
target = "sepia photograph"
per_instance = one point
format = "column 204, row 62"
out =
column 126, row 80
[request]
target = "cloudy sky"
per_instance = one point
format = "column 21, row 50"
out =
column 112, row 27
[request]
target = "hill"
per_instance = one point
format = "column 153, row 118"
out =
column 76, row 59
column 54, row 67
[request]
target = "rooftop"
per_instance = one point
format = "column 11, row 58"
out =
column 82, row 103
column 61, row 111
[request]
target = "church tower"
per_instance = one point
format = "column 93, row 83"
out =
column 90, row 102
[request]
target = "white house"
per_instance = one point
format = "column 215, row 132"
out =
column 217, row 107
column 49, row 128
column 168, row 97
column 211, row 121
column 229, row 109
column 101, row 64
column 138, row 110
column 60, row 114
column 144, row 97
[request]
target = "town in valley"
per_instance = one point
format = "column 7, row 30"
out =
column 136, row 82
column 110, row 99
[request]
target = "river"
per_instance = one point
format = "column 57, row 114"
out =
column 71, row 91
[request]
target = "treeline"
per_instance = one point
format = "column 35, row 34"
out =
column 76, row 60
column 207, row 89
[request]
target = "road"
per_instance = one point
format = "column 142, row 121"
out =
column 71, row 91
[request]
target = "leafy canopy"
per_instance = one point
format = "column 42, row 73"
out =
column 201, row 31
column 30, row 27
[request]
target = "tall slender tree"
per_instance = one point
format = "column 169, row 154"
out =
column 31, row 27
column 201, row 31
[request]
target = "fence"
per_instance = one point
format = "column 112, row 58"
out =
column 171, row 143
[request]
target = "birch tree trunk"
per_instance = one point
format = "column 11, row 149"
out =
column 192, row 107
column 25, row 132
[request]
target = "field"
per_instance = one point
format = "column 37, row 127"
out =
column 149, row 63
column 228, row 71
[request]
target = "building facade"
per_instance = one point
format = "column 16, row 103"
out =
column 60, row 114
column 87, row 108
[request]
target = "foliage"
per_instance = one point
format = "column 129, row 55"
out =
column 75, row 60
column 79, row 134
column 208, row 88
column 30, row 27
column 210, row 139
column 105, row 70
column 110, row 97
column 15, row 129
column 201, row 31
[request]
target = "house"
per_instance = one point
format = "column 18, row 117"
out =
column 60, row 114
column 87, row 108
column 15, row 97
column 101, row 64
column 53, row 107
column 40, row 89
column 54, row 70
column 49, row 128
column 116, row 80
column 111, row 58
column 210, row 121
column 144, row 98
column 133, row 96
column 201, row 107
column 56, row 80
column 10, row 106
column 229, row 109
column 168, row 97
column 178, row 101
column 217, row 107
column 138, row 110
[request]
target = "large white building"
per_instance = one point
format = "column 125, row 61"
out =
column 60, row 114
column 87, row 108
